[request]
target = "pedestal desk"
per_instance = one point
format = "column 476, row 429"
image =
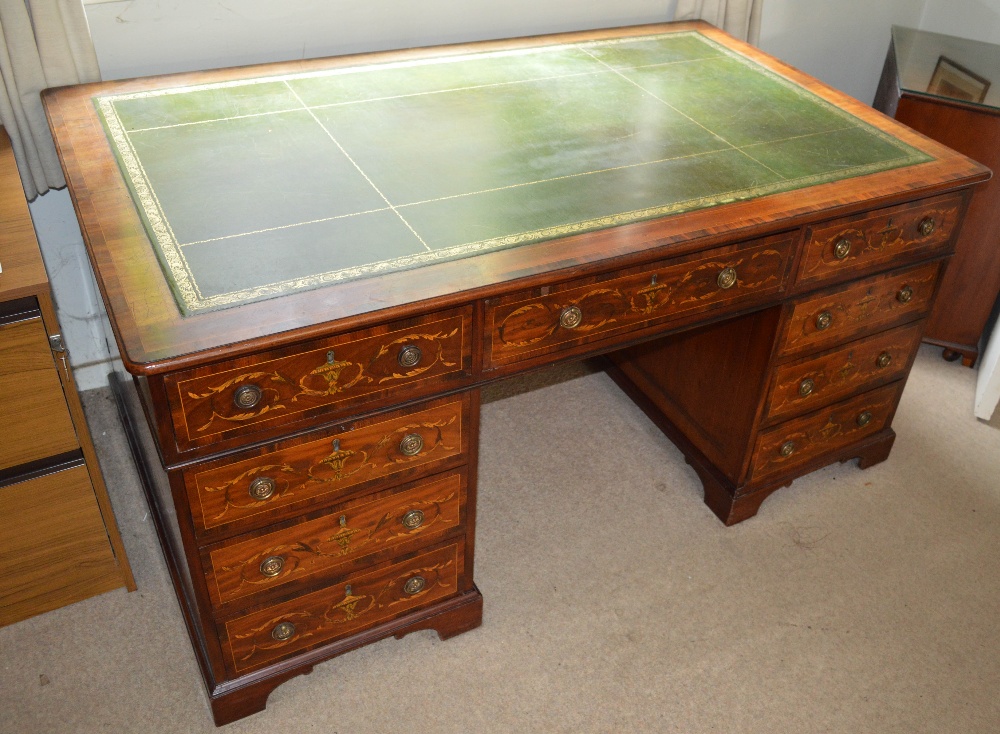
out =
column 311, row 269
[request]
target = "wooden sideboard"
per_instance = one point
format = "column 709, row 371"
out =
column 309, row 439
column 58, row 536
column 908, row 91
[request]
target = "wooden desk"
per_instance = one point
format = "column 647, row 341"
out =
column 754, row 252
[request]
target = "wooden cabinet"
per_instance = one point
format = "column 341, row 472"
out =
column 311, row 459
column 58, row 538
column 917, row 89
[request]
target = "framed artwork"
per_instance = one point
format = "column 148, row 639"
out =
column 954, row 80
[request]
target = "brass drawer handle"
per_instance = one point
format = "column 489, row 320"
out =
column 411, row 445
column 262, row 488
column 806, row 387
column 927, row 226
column 824, row 320
column 571, row 317
column 272, row 566
column 283, row 631
column 414, row 585
column 247, row 397
column 884, row 360
column 787, row 448
column 727, row 278
column 864, row 419
column 413, row 519
column 842, row 249
column 905, row 294
column 409, row 356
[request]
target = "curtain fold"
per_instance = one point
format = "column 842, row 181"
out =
column 741, row 18
column 43, row 43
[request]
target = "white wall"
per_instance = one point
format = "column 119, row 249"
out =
column 842, row 42
column 975, row 19
column 139, row 37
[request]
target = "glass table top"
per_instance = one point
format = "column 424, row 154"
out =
column 947, row 66
column 253, row 188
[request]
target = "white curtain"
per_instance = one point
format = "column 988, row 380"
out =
column 741, row 18
column 43, row 43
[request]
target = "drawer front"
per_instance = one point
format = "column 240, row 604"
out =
column 805, row 385
column 248, row 395
column 524, row 326
column 801, row 440
column 340, row 537
column 829, row 318
column 868, row 242
column 378, row 448
column 361, row 601
column 33, row 408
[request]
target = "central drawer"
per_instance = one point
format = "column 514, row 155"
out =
column 532, row 325
column 275, row 482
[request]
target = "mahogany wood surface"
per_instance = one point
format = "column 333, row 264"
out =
column 331, row 441
column 971, row 285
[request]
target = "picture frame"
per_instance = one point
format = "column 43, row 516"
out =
column 951, row 79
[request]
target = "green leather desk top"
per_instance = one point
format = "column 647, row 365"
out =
column 253, row 188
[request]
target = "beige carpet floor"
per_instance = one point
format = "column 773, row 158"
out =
column 615, row 600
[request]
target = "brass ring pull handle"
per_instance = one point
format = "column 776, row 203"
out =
column 824, row 320
column 247, row 397
column 413, row 519
column 884, row 360
column 864, row 419
column 842, row 249
column 806, row 387
column 727, row 278
column 571, row 317
column 415, row 585
column 905, row 294
column 262, row 488
column 283, row 631
column 409, row 356
column 272, row 566
column 411, row 445
column 927, row 226
column 787, row 449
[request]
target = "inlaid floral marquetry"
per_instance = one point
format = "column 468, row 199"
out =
column 329, row 374
column 525, row 327
column 866, row 242
column 327, row 543
column 329, row 466
column 360, row 602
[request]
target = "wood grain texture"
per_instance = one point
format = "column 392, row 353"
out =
column 333, row 374
column 523, row 327
column 859, row 308
column 832, row 376
column 971, row 285
column 54, row 543
column 874, row 240
column 338, row 538
column 823, row 432
column 330, row 465
column 32, row 405
column 359, row 602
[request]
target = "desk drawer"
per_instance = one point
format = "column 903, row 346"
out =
column 807, row 384
column 421, row 356
column 869, row 242
column 337, row 539
column 833, row 317
column 528, row 324
column 790, row 445
column 329, row 464
column 359, row 602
